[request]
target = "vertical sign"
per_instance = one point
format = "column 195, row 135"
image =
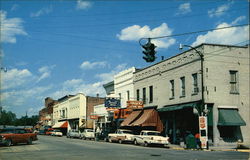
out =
column 203, row 131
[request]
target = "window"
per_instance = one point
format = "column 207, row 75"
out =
column 137, row 94
column 144, row 95
column 120, row 95
column 150, row 94
column 195, row 84
column 128, row 96
column 171, row 89
column 234, row 82
column 183, row 92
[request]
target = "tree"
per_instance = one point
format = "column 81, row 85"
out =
column 7, row 118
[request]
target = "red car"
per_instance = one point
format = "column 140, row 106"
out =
column 13, row 136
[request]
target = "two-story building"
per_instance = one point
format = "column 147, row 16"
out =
column 175, row 86
column 74, row 111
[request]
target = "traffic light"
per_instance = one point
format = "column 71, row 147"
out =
column 149, row 52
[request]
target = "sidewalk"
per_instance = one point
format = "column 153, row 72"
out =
column 211, row 148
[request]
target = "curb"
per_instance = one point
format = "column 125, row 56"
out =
column 210, row 150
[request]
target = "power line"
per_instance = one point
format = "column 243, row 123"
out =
column 187, row 33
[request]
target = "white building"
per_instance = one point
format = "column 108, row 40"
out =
column 124, row 87
column 174, row 86
column 71, row 109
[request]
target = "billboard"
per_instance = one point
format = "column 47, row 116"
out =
column 112, row 103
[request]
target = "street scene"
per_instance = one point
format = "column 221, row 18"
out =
column 62, row 148
column 124, row 79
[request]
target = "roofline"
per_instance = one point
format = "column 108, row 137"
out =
column 200, row 45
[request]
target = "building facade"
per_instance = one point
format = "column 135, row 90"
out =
column 124, row 87
column 174, row 86
column 76, row 111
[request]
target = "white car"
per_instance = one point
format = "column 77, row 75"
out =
column 121, row 135
column 87, row 134
column 150, row 138
column 56, row 133
column 73, row 134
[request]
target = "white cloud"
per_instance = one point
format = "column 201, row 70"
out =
column 43, row 11
column 10, row 28
column 14, row 78
column 237, row 20
column 88, row 65
column 219, row 11
column 107, row 77
column 82, row 5
column 45, row 72
column 20, row 97
column 135, row 32
column 184, row 9
column 225, row 36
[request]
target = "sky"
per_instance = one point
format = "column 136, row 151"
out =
column 56, row 48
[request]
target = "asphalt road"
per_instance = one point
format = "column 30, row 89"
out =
column 61, row 148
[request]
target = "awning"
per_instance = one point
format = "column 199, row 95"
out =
column 178, row 107
column 63, row 124
column 149, row 118
column 230, row 117
column 132, row 117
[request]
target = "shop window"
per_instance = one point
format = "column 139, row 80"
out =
column 228, row 133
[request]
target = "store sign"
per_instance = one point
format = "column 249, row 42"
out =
column 203, row 131
column 134, row 104
column 112, row 103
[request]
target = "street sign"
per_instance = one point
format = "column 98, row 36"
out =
column 203, row 131
column 134, row 104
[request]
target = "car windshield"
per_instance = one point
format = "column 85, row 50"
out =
column 154, row 133
column 7, row 131
column 129, row 132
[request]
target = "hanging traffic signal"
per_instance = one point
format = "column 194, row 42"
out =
column 149, row 52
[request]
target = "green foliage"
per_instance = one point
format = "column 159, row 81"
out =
column 9, row 118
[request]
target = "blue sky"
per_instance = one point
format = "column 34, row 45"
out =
column 54, row 48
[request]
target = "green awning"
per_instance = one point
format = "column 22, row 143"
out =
column 230, row 117
column 178, row 107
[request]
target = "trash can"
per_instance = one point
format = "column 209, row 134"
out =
column 190, row 142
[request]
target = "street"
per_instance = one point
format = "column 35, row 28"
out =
column 60, row 148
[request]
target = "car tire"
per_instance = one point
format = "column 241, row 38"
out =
column 29, row 142
column 110, row 140
column 120, row 141
column 145, row 144
column 135, row 142
column 8, row 142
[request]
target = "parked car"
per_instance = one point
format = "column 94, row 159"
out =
column 150, row 138
column 49, row 131
column 121, row 135
column 73, row 134
column 56, row 132
column 13, row 136
column 87, row 134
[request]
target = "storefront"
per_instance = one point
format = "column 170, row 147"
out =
column 180, row 119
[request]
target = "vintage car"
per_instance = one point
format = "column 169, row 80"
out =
column 147, row 138
column 13, row 136
column 87, row 134
column 56, row 132
column 73, row 134
column 121, row 135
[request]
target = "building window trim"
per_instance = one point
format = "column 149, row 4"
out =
column 234, row 82
column 151, row 94
column 195, row 84
column 183, row 87
column 171, row 89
